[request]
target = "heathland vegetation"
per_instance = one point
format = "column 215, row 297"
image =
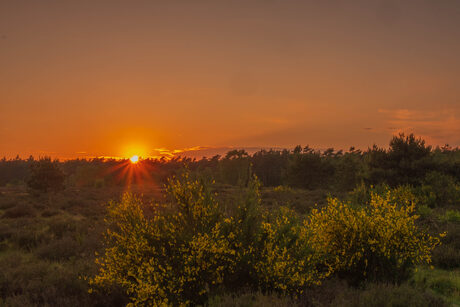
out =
column 292, row 227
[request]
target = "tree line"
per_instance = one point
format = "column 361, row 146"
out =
column 407, row 161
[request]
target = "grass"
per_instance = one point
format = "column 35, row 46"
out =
column 45, row 249
column 450, row 216
column 48, row 245
column 444, row 283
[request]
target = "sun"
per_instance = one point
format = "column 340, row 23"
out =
column 134, row 159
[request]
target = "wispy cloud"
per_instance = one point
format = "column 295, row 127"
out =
column 436, row 126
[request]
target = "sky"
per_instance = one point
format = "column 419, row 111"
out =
column 118, row 78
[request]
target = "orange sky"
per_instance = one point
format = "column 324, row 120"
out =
column 117, row 78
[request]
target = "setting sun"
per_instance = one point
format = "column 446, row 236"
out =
column 134, row 159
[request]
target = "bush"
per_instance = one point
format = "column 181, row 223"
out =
column 191, row 249
column 362, row 194
column 28, row 238
column 447, row 256
column 438, row 190
column 283, row 261
column 61, row 226
column 377, row 242
column 62, row 249
column 45, row 176
column 424, row 212
column 184, row 252
column 451, row 216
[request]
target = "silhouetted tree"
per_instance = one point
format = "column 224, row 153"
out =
column 235, row 167
column 270, row 166
column 406, row 162
column 46, row 176
column 309, row 170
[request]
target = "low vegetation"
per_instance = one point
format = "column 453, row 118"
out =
column 190, row 250
column 364, row 233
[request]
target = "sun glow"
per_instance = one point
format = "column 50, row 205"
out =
column 134, row 159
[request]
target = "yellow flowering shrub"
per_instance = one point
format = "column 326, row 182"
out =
column 377, row 241
column 173, row 257
column 286, row 263
column 182, row 252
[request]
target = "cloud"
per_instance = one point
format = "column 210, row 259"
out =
column 199, row 152
column 438, row 127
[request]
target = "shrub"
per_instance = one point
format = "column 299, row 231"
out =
column 183, row 252
column 170, row 258
column 61, row 249
column 438, row 190
column 28, row 238
column 424, row 211
column 285, row 261
column 447, row 255
column 45, row 176
column 362, row 194
column 451, row 216
column 60, row 226
column 191, row 249
column 378, row 242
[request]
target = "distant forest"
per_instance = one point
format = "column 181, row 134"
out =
column 407, row 161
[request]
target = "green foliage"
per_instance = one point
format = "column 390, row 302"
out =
column 14, row 171
column 424, row 211
column 44, row 250
column 438, row 190
column 309, row 170
column 447, row 256
column 300, row 200
column 186, row 251
column 388, row 295
column 451, row 216
column 377, row 242
column 169, row 258
column 45, row 176
column 445, row 284
column 87, row 175
column 406, row 162
column 235, row 168
column 191, row 249
column 349, row 170
column 362, row 194
column 270, row 166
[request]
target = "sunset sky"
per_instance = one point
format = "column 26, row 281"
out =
column 118, row 78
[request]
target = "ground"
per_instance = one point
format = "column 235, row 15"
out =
column 48, row 245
